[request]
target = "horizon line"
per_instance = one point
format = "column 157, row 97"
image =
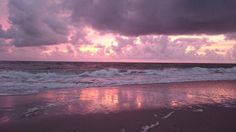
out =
column 147, row 62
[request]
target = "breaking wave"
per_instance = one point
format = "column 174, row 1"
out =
column 23, row 82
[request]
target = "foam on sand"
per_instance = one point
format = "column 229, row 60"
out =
column 148, row 127
column 198, row 110
column 229, row 106
column 36, row 110
column 168, row 115
column 31, row 111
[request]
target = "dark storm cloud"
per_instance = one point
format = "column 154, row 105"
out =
column 139, row 17
column 35, row 22
column 46, row 22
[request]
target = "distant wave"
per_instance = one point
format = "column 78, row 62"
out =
column 23, row 82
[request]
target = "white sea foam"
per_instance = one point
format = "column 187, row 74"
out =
column 36, row 109
column 198, row 110
column 22, row 82
column 168, row 115
column 31, row 111
column 148, row 127
column 229, row 105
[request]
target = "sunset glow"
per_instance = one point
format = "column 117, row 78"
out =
column 117, row 65
column 83, row 40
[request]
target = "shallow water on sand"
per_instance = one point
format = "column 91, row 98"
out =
column 117, row 99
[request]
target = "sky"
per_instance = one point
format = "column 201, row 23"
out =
column 118, row 30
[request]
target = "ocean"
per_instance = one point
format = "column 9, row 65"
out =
column 35, row 90
column 17, row 78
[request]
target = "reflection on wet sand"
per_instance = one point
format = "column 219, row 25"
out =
column 121, row 98
column 115, row 99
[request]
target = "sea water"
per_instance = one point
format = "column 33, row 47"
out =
column 32, row 77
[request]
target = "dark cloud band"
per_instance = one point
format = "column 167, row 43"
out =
column 46, row 22
column 139, row 17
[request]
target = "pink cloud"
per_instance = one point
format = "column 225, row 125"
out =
column 54, row 30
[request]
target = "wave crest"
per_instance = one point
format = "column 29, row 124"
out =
column 15, row 82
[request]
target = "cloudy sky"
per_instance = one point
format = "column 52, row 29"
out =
column 118, row 30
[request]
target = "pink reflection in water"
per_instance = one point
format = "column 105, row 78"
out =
column 115, row 99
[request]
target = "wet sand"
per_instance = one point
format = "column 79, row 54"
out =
column 212, row 119
column 176, row 107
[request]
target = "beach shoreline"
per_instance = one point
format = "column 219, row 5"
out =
column 129, row 108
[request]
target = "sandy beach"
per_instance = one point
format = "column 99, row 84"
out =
column 196, row 107
column 212, row 118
